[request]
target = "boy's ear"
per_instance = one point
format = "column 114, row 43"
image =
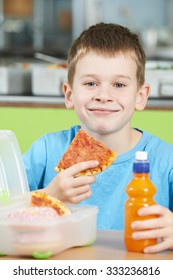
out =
column 142, row 97
column 68, row 95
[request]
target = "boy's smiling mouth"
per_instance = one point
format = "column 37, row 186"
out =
column 102, row 111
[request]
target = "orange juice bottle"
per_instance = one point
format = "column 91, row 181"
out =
column 140, row 191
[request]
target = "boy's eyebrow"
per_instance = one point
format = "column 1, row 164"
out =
column 96, row 76
column 123, row 76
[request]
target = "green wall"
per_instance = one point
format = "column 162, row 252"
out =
column 30, row 123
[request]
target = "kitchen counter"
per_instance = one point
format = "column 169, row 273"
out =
column 32, row 101
column 58, row 102
column 160, row 104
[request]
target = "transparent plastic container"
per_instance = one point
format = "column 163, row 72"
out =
column 41, row 238
column 13, row 180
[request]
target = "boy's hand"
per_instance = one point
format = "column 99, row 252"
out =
column 160, row 227
column 68, row 188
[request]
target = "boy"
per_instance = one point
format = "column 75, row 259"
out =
column 106, row 67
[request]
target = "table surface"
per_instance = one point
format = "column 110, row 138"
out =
column 108, row 246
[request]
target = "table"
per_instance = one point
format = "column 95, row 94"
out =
column 108, row 246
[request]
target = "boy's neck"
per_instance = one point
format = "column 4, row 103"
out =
column 127, row 141
column 120, row 142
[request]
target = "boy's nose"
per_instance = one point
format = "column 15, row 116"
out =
column 103, row 96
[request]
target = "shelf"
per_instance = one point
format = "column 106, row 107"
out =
column 159, row 103
column 58, row 102
column 32, row 101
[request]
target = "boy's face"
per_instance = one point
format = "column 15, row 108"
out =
column 105, row 92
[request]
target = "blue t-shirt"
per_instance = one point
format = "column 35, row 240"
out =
column 108, row 192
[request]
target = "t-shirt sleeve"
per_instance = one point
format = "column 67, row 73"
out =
column 35, row 162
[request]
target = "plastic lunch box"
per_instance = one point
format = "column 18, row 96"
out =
column 41, row 239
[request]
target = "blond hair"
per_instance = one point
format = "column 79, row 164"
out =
column 107, row 39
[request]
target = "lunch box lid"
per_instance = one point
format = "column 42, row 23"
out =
column 13, row 179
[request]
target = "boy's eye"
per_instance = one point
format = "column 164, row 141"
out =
column 91, row 84
column 119, row 85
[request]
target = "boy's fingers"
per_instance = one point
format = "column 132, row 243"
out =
column 76, row 181
column 158, row 247
column 148, row 224
column 83, row 180
column 72, row 192
column 151, row 210
column 81, row 166
column 148, row 234
column 81, row 197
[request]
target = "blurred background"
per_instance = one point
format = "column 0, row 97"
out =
column 49, row 26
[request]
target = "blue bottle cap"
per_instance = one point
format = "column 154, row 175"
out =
column 141, row 164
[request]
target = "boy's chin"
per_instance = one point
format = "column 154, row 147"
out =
column 102, row 130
